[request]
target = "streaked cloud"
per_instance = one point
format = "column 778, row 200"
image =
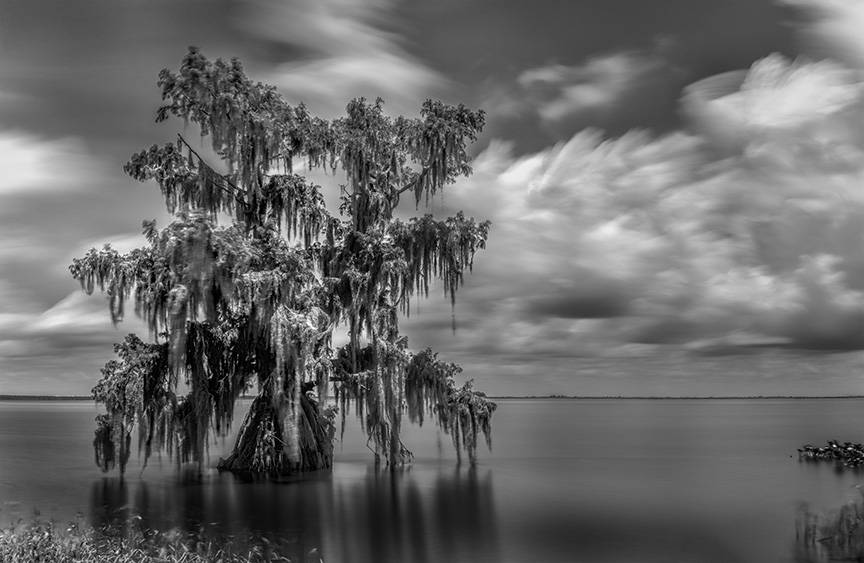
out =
column 63, row 140
column 740, row 232
column 331, row 83
column 32, row 164
column 346, row 54
column 759, row 110
column 559, row 91
column 832, row 29
column 59, row 350
column 591, row 91
column 608, row 246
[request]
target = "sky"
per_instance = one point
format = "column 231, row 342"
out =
column 676, row 188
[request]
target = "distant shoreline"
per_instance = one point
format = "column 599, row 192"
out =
column 44, row 398
column 508, row 397
column 687, row 398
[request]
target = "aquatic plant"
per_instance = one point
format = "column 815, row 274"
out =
column 846, row 454
column 254, row 303
column 41, row 541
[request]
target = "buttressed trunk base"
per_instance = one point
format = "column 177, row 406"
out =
column 262, row 446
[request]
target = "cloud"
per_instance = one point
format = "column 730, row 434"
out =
column 55, row 192
column 783, row 110
column 34, row 165
column 76, row 312
column 52, row 194
column 333, row 81
column 46, row 196
column 59, row 350
column 560, row 91
column 347, row 53
column 58, row 197
column 742, row 231
column 328, row 26
column 602, row 247
column 612, row 90
column 832, row 29
column 595, row 88
column 19, row 244
column 122, row 242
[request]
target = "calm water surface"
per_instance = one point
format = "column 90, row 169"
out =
column 567, row 480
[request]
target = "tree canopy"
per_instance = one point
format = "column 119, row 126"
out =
column 245, row 288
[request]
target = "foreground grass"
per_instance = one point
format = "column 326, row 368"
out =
column 44, row 541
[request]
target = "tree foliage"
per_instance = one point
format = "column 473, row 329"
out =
column 246, row 286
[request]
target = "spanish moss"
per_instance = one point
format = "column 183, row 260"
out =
column 253, row 305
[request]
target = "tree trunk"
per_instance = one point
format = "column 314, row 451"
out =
column 261, row 446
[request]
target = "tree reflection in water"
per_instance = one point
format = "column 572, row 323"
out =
column 411, row 515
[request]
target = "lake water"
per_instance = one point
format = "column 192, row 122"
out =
column 567, row 480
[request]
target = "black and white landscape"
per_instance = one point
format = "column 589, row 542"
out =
column 443, row 281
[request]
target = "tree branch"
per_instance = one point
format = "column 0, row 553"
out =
column 413, row 182
column 234, row 188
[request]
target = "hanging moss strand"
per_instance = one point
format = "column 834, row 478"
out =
column 244, row 289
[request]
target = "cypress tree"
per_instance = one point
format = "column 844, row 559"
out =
column 244, row 289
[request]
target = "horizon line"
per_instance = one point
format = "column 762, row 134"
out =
column 4, row 397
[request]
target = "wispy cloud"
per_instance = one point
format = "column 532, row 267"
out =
column 832, row 28
column 32, row 164
column 743, row 230
column 592, row 90
column 54, row 192
column 348, row 54
column 560, row 91
column 600, row 245
column 49, row 190
column 59, row 350
column 58, row 196
column 759, row 110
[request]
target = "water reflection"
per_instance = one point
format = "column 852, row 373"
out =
column 362, row 514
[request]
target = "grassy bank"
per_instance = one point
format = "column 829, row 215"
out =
column 48, row 542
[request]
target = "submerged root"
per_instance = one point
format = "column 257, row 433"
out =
column 262, row 449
